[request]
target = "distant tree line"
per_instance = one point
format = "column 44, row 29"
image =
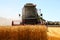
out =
column 52, row 23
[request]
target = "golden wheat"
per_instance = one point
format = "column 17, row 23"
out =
column 53, row 33
column 23, row 32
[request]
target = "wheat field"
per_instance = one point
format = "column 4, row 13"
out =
column 23, row 32
column 29, row 32
column 53, row 33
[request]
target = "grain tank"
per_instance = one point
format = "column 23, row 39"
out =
column 29, row 14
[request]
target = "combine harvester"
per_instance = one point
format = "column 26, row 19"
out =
column 30, row 15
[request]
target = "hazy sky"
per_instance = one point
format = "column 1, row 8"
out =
column 11, row 8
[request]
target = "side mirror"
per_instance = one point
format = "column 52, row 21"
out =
column 19, row 15
column 41, row 14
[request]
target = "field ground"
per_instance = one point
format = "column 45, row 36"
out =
column 53, row 33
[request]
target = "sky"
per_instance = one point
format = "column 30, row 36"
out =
column 11, row 9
